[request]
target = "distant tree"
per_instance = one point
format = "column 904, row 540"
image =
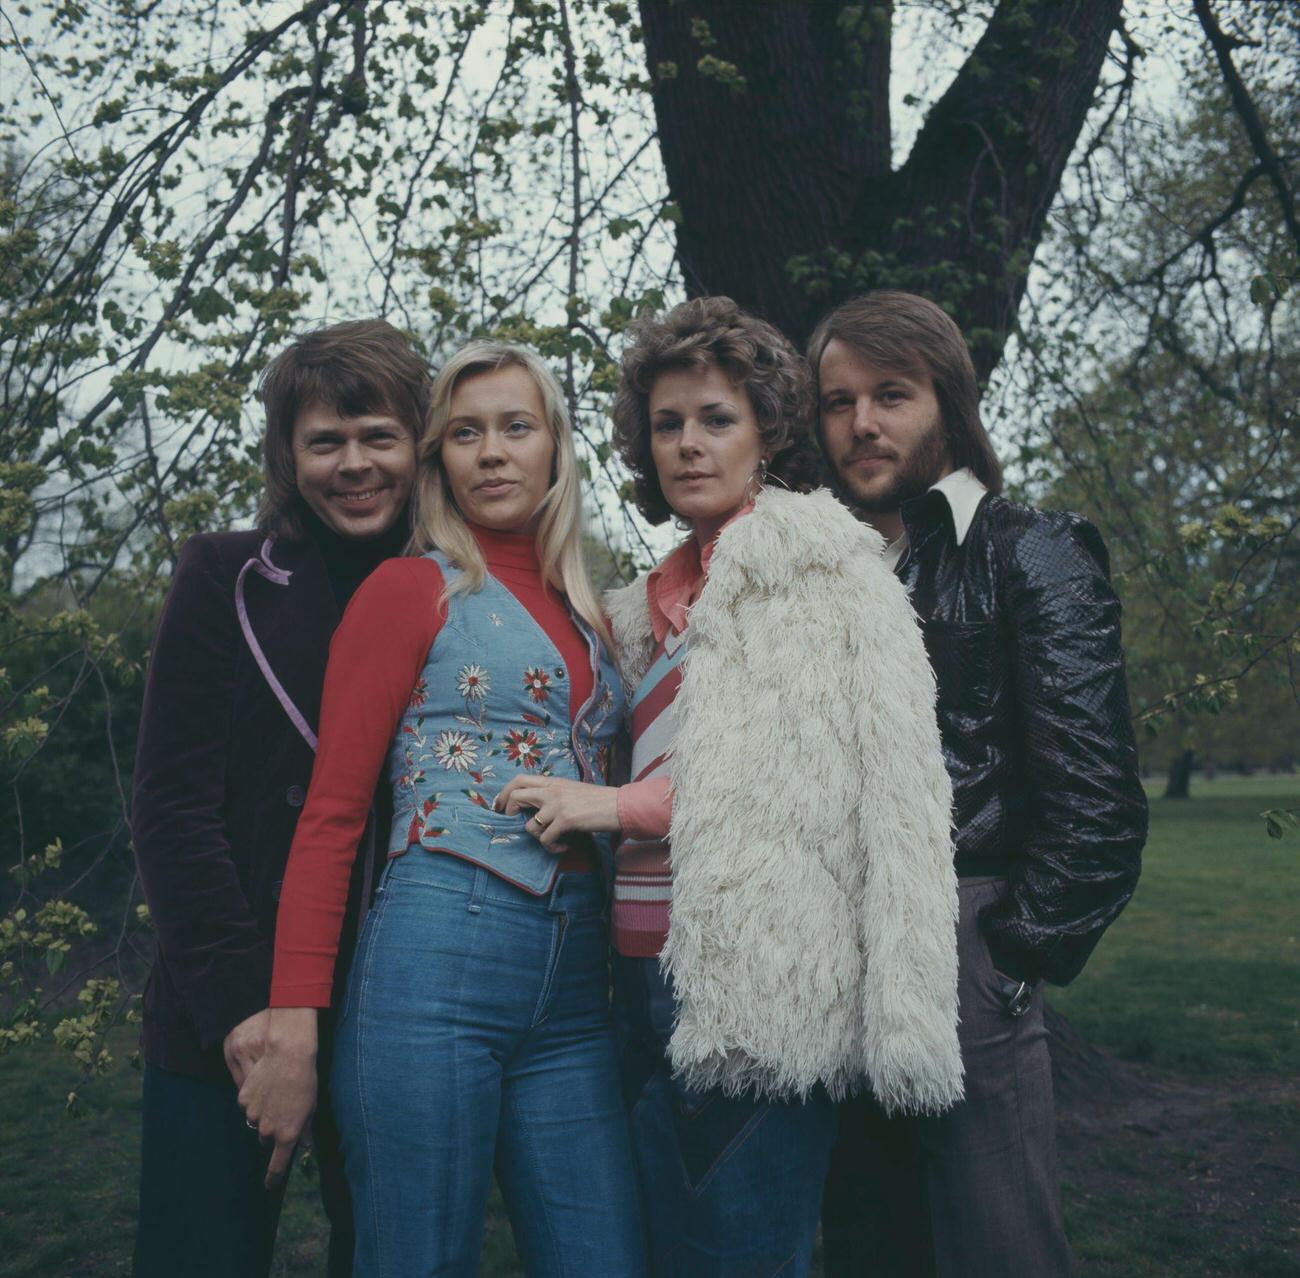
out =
column 1162, row 371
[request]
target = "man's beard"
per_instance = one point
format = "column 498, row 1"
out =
column 916, row 472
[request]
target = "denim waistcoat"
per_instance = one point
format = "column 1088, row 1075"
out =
column 491, row 703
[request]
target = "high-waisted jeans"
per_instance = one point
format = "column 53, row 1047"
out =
column 731, row 1184
column 476, row 1032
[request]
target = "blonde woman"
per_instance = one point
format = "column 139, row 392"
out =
column 475, row 1030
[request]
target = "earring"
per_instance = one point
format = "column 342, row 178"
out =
column 762, row 471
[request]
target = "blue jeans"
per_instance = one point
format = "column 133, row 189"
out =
column 732, row 1186
column 476, row 1031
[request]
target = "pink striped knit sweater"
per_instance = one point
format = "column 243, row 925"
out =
column 642, row 873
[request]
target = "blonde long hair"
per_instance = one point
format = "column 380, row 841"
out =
column 437, row 523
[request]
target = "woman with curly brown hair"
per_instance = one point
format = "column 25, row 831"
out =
column 784, row 903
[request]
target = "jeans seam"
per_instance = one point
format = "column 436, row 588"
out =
column 534, row 1168
column 368, row 925
column 361, row 1001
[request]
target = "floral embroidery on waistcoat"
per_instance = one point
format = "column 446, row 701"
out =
column 473, row 683
column 455, row 751
column 414, row 750
column 486, row 707
column 538, row 683
column 521, row 747
column 472, row 751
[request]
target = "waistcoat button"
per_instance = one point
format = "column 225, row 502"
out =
column 295, row 796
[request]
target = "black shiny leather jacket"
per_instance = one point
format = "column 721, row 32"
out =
column 1022, row 628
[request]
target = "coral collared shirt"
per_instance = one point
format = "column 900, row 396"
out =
column 645, row 808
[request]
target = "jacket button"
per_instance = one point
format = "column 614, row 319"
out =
column 295, row 796
column 559, row 672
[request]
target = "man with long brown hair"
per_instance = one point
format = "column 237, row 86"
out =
column 1022, row 629
column 227, row 740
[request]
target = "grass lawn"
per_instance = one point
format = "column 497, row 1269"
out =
column 1197, row 986
column 1201, row 973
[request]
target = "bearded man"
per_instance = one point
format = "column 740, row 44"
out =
column 1022, row 629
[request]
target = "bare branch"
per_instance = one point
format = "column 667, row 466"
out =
column 1250, row 119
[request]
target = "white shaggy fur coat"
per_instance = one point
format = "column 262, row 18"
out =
column 814, row 900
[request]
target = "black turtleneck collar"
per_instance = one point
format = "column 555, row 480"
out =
column 350, row 560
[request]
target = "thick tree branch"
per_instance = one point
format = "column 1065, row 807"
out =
column 975, row 192
column 777, row 152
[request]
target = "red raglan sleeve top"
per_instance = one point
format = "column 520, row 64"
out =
column 376, row 656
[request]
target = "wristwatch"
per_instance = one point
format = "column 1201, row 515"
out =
column 1018, row 994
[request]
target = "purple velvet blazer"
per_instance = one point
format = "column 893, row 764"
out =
column 221, row 774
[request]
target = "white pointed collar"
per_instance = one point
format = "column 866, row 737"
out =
column 963, row 493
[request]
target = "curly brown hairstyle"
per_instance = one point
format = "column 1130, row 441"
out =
column 753, row 354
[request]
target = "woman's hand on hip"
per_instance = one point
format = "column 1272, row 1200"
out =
column 278, row 1096
column 560, row 807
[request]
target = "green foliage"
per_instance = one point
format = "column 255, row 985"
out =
column 1152, row 391
column 725, row 73
column 1278, row 822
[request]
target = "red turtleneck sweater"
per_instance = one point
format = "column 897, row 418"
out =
column 376, row 655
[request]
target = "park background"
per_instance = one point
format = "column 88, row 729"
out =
column 1102, row 192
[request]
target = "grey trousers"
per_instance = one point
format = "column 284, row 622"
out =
column 986, row 1182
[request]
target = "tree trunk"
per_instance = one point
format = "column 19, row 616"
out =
column 788, row 199
column 769, row 172
column 1180, row 776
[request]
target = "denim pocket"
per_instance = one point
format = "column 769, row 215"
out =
column 710, row 1128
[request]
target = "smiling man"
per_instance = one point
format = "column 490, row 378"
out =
column 1022, row 629
column 227, row 740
